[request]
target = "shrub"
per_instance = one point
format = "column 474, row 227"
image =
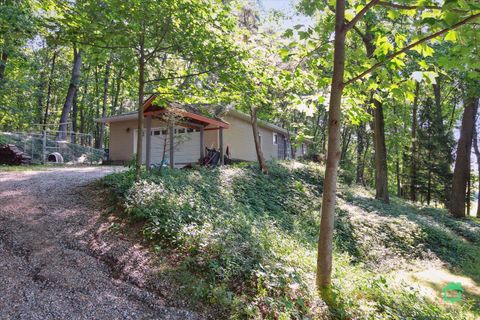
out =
column 247, row 242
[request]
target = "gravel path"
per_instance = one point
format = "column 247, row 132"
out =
column 58, row 260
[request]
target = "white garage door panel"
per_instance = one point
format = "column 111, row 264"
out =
column 187, row 146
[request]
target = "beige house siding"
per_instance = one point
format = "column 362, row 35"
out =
column 210, row 137
column 239, row 138
column 121, row 140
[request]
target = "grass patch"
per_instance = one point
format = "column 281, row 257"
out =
column 246, row 242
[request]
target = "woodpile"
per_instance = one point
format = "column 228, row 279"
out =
column 10, row 154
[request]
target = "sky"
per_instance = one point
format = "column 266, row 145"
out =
column 287, row 8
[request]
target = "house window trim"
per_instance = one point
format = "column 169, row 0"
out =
column 275, row 138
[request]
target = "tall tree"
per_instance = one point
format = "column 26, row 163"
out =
column 106, row 79
column 188, row 32
column 342, row 26
column 462, row 161
column 477, row 154
column 72, row 88
column 413, row 164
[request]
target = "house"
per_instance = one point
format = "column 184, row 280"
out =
column 191, row 132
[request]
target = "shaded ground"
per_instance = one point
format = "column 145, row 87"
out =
column 422, row 246
column 59, row 260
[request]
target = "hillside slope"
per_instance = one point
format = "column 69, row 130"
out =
column 245, row 243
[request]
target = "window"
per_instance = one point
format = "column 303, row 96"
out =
column 189, row 130
column 181, row 131
column 156, row 132
column 164, row 132
column 275, row 138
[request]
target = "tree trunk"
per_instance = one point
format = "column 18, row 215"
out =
column 360, row 154
column 40, row 97
column 3, row 65
column 258, row 148
column 324, row 134
column 101, row 134
column 141, row 93
column 477, row 154
column 469, row 183
column 429, row 187
column 460, row 173
column 381, row 170
column 399, row 180
column 117, row 93
column 325, row 240
column 49, row 89
column 77, row 65
column 413, row 165
column 381, row 177
column 74, row 118
column 97, row 109
column 346, row 137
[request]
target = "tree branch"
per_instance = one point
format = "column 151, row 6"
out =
column 181, row 77
column 407, row 48
column 360, row 14
column 409, row 7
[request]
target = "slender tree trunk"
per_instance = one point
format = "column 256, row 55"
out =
column 469, row 183
column 397, row 159
column 3, row 65
column 381, row 177
column 77, row 65
column 97, row 109
column 117, row 94
column 365, row 153
column 429, row 187
column 101, row 134
column 49, row 89
column 141, row 93
column 74, row 117
column 477, row 154
column 381, row 170
column 325, row 240
column 461, row 171
column 413, row 165
column 324, row 133
column 399, row 180
column 360, row 151
column 40, row 98
column 346, row 138
column 258, row 148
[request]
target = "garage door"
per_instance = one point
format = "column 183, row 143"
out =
column 186, row 145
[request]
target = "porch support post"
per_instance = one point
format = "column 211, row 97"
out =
column 221, row 146
column 148, row 147
column 170, row 131
column 202, row 144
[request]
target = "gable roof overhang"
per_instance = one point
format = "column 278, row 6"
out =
column 187, row 119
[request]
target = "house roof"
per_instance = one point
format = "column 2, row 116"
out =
column 261, row 123
column 192, row 119
column 193, row 113
column 150, row 108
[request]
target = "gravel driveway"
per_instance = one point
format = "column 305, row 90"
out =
column 58, row 259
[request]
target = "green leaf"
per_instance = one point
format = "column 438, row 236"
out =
column 423, row 64
column 451, row 36
column 288, row 33
column 284, row 52
column 393, row 14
